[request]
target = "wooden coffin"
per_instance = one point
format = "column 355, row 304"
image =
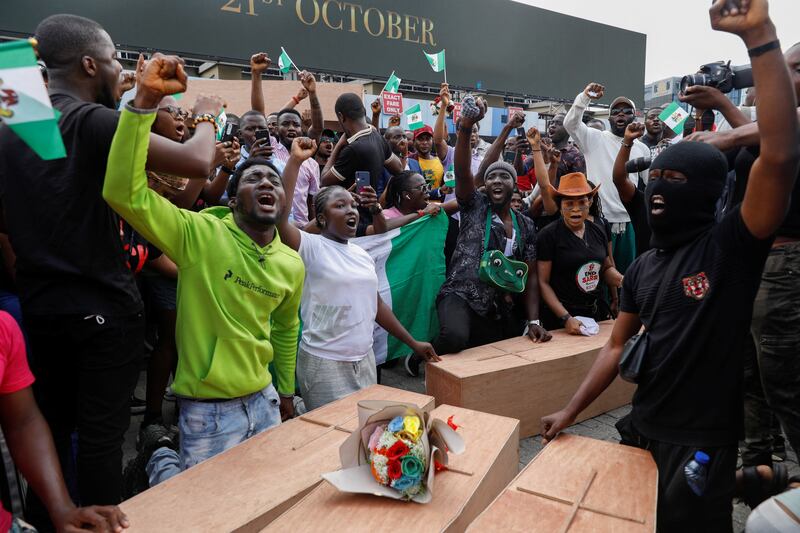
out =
column 578, row 485
column 491, row 460
column 248, row 486
column 523, row 380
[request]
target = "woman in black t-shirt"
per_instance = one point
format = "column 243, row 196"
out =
column 573, row 259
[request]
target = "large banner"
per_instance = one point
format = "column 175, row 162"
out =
column 494, row 45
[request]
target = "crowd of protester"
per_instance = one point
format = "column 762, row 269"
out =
column 238, row 253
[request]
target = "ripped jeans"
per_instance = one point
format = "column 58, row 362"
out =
column 210, row 428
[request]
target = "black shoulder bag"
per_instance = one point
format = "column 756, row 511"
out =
column 635, row 350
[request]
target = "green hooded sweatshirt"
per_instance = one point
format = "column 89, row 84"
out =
column 237, row 302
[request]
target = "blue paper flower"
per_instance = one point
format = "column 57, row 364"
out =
column 405, row 483
column 396, row 424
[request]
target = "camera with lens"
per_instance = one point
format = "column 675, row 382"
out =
column 720, row 75
column 637, row 165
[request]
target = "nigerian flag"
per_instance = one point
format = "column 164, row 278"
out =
column 674, row 117
column 414, row 117
column 393, row 85
column 285, row 63
column 24, row 103
column 436, row 60
column 409, row 262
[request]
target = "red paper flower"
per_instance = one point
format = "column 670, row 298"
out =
column 438, row 466
column 395, row 469
column 398, row 450
column 451, row 423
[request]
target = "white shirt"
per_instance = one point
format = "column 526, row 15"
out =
column 600, row 149
column 340, row 299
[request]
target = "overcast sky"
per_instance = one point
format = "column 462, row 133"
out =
column 668, row 53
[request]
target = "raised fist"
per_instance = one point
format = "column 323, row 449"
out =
column 534, row 138
column 376, row 107
column 594, row 91
column 309, row 81
column 739, row 16
column 208, row 104
column 634, row 131
column 160, row 76
column 259, row 63
column 472, row 110
column 303, row 148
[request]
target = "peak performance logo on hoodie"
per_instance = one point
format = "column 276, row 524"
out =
column 247, row 284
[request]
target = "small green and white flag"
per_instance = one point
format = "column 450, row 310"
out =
column 414, row 117
column 436, row 61
column 285, row 62
column 221, row 120
column 393, row 85
column 674, row 117
column 408, row 287
column 24, row 103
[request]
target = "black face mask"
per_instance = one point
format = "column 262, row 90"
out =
column 689, row 207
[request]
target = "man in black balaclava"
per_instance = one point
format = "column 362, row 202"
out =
column 683, row 198
column 687, row 409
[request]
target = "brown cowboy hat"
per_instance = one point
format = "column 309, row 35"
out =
column 573, row 186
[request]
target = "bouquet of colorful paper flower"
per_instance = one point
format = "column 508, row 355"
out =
column 393, row 452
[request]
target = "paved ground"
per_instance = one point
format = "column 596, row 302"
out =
column 601, row 427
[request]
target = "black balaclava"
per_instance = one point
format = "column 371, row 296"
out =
column 689, row 207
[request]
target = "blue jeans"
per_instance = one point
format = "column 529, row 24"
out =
column 209, row 428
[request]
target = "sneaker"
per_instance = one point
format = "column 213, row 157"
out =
column 134, row 476
column 141, row 437
column 169, row 396
column 412, row 365
column 137, row 405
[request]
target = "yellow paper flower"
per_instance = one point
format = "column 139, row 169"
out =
column 411, row 430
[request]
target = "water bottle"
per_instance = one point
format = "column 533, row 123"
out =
column 696, row 472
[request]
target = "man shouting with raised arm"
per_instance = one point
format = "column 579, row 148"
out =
column 238, row 292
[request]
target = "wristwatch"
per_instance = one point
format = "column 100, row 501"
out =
column 564, row 319
column 535, row 323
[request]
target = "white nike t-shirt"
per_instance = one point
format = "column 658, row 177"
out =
column 340, row 299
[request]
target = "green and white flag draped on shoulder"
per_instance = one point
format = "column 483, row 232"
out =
column 674, row 117
column 24, row 103
column 436, row 61
column 414, row 117
column 285, row 62
column 410, row 266
column 393, row 85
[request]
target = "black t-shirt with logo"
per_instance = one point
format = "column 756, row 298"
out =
column 576, row 263
column 69, row 256
column 690, row 391
column 365, row 151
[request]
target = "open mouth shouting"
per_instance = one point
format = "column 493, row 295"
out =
column 497, row 193
column 266, row 201
column 657, row 205
column 351, row 221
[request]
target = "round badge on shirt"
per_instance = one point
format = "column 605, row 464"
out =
column 588, row 276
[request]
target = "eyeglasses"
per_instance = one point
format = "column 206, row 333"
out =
column 176, row 112
column 422, row 188
column 622, row 111
column 327, row 140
